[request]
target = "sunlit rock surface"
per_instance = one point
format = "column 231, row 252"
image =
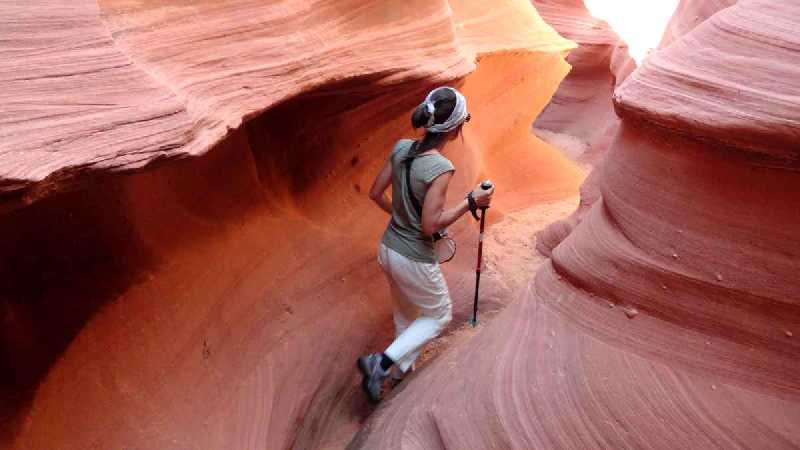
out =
column 580, row 119
column 689, row 14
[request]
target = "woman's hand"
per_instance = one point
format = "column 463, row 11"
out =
column 483, row 197
column 435, row 217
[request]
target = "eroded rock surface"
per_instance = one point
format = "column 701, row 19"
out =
column 688, row 15
column 580, row 118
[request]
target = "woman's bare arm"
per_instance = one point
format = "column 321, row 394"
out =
column 378, row 190
column 434, row 216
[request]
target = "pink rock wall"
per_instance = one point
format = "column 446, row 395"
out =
column 690, row 14
column 580, row 117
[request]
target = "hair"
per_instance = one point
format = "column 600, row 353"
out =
column 444, row 102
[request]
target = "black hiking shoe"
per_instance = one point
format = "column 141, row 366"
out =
column 374, row 375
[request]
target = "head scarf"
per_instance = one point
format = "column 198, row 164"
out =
column 457, row 117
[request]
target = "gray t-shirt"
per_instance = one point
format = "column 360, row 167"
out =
column 404, row 233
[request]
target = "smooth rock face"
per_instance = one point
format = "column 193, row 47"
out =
column 596, row 119
column 697, row 229
column 736, row 78
column 688, row 15
column 220, row 301
column 580, row 119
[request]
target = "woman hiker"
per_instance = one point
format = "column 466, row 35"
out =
column 406, row 254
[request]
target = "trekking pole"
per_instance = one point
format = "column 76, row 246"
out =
column 486, row 185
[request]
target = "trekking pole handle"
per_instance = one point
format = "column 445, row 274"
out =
column 485, row 185
column 473, row 207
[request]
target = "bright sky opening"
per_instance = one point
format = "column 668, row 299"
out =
column 640, row 23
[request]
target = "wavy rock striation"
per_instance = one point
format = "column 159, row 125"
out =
column 171, row 80
column 755, row 109
column 219, row 301
column 668, row 318
column 580, row 118
column 73, row 101
column 688, row 15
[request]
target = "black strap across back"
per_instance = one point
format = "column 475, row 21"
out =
column 414, row 202
column 408, row 161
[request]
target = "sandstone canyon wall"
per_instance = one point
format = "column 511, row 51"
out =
column 587, row 109
column 580, row 117
column 187, row 247
column 690, row 14
column 668, row 318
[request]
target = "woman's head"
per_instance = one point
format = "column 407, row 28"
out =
column 442, row 114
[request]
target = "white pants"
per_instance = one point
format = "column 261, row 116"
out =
column 422, row 305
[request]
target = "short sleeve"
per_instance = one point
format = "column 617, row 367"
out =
column 400, row 146
column 437, row 167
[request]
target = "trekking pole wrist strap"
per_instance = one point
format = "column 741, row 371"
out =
column 473, row 205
